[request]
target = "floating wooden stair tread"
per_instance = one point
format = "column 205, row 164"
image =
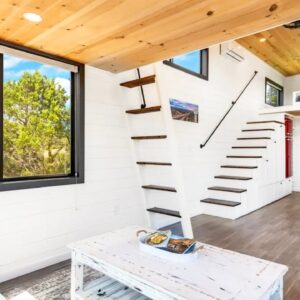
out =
column 226, row 189
column 153, row 163
column 244, row 156
column 233, row 177
column 149, row 137
column 249, row 147
column 159, row 188
column 263, row 122
column 238, row 167
column 258, row 129
column 139, row 82
column 143, row 110
column 164, row 211
column 254, row 138
column 221, row 202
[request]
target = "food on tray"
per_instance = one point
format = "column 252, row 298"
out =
column 156, row 238
column 180, row 245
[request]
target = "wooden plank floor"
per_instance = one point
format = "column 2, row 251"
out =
column 272, row 233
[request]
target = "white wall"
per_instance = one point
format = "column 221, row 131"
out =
column 37, row 224
column 291, row 84
column 226, row 80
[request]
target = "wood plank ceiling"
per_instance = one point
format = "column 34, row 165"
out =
column 118, row 35
column 280, row 48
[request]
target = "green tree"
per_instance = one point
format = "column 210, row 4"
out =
column 37, row 121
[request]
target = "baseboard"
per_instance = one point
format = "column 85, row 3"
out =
column 34, row 266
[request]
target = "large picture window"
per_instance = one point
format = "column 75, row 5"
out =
column 273, row 93
column 41, row 120
column 194, row 63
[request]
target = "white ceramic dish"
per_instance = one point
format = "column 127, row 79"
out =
column 175, row 257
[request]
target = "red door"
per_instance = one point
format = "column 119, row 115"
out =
column 288, row 146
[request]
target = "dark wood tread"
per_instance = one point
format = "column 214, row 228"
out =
column 139, row 82
column 149, row 137
column 233, row 177
column 249, row 147
column 159, row 188
column 163, row 211
column 153, row 163
column 238, row 167
column 259, row 129
column 263, row 122
column 254, row 138
column 220, row 202
column 226, row 189
column 143, row 110
column 244, row 156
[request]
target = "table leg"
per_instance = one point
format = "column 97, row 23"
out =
column 76, row 276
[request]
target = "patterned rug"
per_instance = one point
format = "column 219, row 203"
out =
column 52, row 285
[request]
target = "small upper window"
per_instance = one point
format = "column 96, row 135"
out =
column 194, row 63
column 274, row 93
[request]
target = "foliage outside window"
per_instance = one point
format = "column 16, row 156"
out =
column 194, row 63
column 273, row 93
column 38, row 107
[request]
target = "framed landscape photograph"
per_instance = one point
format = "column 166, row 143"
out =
column 184, row 111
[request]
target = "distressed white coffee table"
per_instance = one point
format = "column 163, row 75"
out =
column 133, row 274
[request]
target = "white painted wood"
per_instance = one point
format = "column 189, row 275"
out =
column 216, row 274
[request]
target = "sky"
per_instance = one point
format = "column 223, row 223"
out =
column 14, row 67
column 189, row 60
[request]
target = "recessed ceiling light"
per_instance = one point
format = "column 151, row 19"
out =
column 32, row 17
column 262, row 40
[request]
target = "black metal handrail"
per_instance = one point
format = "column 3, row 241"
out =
column 143, row 105
column 232, row 105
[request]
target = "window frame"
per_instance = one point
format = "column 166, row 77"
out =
column 77, row 128
column 203, row 67
column 279, row 87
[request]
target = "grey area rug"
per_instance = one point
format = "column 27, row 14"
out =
column 51, row 285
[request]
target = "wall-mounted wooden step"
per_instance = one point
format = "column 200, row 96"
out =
column 159, row 188
column 249, row 147
column 267, row 121
column 139, row 82
column 149, row 137
column 238, row 167
column 221, row 202
column 258, row 129
column 226, row 189
column 233, row 177
column 244, row 156
column 163, row 211
column 154, row 163
column 254, row 138
column 144, row 110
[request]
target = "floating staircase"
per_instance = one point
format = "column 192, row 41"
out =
column 229, row 196
column 161, row 208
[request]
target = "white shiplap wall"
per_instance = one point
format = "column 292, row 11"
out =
column 37, row 224
column 226, row 80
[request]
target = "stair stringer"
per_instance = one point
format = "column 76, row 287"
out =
column 178, row 173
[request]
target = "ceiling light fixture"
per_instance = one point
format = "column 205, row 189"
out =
column 262, row 40
column 32, row 17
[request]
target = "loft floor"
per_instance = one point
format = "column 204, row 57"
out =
column 272, row 233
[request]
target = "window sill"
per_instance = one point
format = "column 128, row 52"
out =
column 38, row 183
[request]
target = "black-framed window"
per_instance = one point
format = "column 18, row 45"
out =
column 194, row 63
column 41, row 119
column 273, row 93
